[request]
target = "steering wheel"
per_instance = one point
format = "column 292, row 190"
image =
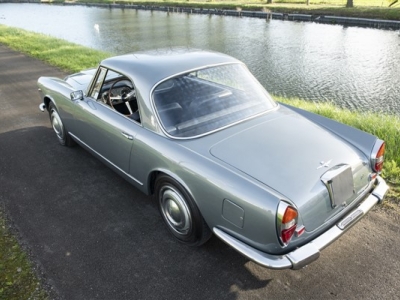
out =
column 127, row 94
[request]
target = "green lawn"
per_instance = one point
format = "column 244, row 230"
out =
column 17, row 279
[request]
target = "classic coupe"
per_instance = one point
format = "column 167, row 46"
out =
column 197, row 131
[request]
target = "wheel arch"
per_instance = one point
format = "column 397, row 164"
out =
column 186, row 222
column 46, row 100
column 153, row 177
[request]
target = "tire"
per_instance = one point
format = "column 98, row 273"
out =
column 56, row 123
column 180, row 213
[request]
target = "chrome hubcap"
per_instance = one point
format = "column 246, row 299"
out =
column 175, row 210
column 57, row 125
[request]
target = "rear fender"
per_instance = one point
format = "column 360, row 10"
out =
column 362, row 140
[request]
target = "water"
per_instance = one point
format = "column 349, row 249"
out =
column 357, row 68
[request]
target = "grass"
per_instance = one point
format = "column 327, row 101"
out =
column 391, row 202
column 339, row 2
column 18, row 281
column 59, row 53
column 374, row 9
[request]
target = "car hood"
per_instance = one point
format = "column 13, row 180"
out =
column 80, row 81
column 290, row 154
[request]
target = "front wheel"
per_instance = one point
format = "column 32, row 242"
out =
column 58, row 127
column 180, row 213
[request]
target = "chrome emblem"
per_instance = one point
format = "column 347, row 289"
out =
column 324, row 164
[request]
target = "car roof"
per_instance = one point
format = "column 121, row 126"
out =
column 149, row 67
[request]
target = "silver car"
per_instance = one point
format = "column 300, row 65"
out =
column 196, row 130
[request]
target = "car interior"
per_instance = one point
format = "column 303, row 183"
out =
column 119, row 93
column 188, row 105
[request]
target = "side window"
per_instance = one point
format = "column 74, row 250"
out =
column 117, row 91
column 99, row 81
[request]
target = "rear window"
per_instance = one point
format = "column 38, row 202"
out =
column 206, row 100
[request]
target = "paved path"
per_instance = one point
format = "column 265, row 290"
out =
column 96, row 237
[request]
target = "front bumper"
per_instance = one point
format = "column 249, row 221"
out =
column 42, row 107
column 310, row 252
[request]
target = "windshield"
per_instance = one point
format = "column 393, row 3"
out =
column 206, row 100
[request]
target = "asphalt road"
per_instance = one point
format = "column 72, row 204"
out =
column 93, row 236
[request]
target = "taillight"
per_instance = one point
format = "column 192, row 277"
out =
column 286, row 221
column 377, row 156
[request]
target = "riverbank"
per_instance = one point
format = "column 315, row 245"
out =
column 364, row 14
column 381, row 19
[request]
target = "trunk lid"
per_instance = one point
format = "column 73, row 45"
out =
column 290, row 154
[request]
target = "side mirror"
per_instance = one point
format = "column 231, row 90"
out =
column 77, row 95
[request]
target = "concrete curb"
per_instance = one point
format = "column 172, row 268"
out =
column 334, row 20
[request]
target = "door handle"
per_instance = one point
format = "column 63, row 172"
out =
column 128, row 136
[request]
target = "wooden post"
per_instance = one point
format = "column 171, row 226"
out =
column 349, row 3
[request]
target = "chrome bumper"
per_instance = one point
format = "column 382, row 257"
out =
column 310, row 252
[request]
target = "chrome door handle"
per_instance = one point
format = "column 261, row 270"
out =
column 128, row 136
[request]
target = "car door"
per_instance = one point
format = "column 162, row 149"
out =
column 106, row 132
column 103, row 129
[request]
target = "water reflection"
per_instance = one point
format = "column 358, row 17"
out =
column 355, row 67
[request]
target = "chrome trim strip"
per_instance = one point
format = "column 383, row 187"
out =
column 309, row 252
column 92, row 82
column 279, row 216
column 350, row 219
column 374, row 153
column 115, row 166
column 218, row 129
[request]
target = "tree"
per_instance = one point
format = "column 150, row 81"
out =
column 269, row 1
column 349, row 3
column 308, row 2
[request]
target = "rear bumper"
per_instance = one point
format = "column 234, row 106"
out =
column 310, row 252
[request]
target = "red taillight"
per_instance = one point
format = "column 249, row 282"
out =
column 286, row 222
column 377, row 156
column 287, row 234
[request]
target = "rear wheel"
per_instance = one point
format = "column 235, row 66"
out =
column 58, row 127
column 180, row 212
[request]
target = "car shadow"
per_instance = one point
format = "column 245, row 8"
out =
column 97, row 237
